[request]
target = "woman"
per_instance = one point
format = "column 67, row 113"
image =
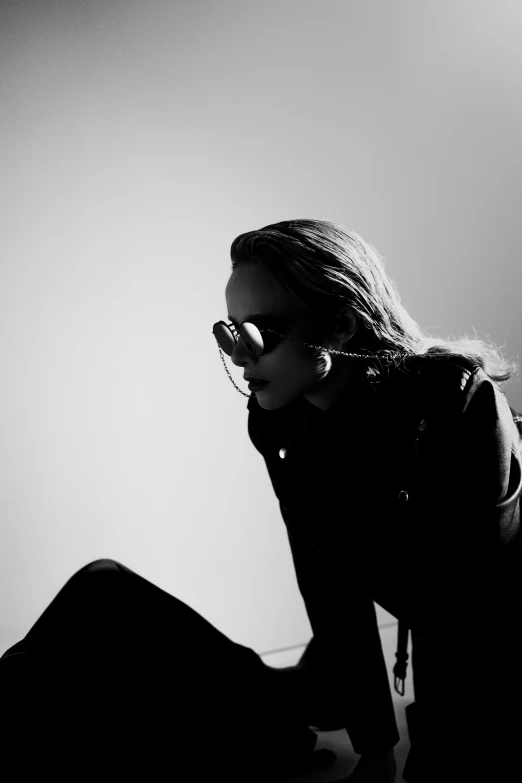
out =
column 396, row 461
column 429, row 532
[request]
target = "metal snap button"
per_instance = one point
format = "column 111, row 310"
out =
column 403, row 496
column 422, row 425
column 282, row 453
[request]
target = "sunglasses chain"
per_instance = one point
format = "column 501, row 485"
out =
column 386, row 353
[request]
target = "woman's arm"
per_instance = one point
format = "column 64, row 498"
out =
column 464, row 520
column 348, row 655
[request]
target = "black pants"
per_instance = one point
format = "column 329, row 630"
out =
column 117, row 676
column 466, row 722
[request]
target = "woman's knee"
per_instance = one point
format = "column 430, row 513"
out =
column 103, row 565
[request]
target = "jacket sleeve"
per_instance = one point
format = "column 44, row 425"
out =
column 348, row 657
column 490, row 500
column 467, row 525
column 347, row 652
column 466, row 528
column 493, row 469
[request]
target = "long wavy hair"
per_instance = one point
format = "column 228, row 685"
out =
column 327, row 267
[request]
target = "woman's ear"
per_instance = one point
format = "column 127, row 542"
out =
column 345, row 326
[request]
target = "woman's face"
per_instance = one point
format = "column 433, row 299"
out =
column 252, row 294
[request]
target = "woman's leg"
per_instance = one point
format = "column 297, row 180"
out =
column 466, row 717
column 118, row 667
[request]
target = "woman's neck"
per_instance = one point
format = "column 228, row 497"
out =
column 325, row 393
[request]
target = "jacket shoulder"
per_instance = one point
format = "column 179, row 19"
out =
column 434, row 385
column 449, row 368
column 457, row 388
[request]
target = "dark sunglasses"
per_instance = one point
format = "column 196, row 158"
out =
column 258, row 340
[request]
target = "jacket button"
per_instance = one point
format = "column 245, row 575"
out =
column 403, row 496
column 282, row 453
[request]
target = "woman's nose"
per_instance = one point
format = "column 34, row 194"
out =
column 240, row 355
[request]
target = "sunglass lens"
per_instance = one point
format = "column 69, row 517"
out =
column 224, row 337
column 252, row 338
column 249, row 333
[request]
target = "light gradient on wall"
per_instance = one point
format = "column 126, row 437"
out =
column 139, row 138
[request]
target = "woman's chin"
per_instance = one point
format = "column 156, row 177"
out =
column 270, row 401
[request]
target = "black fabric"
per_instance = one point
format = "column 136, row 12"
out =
column 411, row 490
column 118, row 677
column 351, row 676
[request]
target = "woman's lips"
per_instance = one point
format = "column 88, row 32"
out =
column 255, row 385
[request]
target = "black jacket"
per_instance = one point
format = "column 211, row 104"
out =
column 408, row 490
